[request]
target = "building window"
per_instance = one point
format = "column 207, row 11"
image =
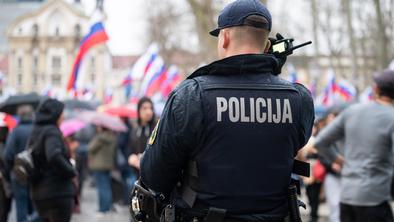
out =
column 35, row 30
column 56, row 63
column 35, row 79
column 57, row 31
column 35, row 62
column 19, row 79
column 77, row 30
column 20, row 63
column 93, row 62
column 56, row 79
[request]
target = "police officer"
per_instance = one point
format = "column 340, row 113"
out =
column 230, row 131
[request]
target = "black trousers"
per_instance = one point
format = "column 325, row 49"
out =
column 55, row 210
column 5, row 205
column 313, row 193
column 379, row 213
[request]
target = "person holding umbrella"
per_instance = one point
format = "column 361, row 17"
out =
column 53, row 191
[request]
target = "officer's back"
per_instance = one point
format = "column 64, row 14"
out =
column 231, row 130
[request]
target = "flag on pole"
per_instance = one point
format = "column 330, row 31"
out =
column 156, row 83
column 173, row 78
column 293, row 77
column 154, row 70
column 366, row 95
column 96, row 36
column 345, row 90
column 329, row 91
column 143, row 65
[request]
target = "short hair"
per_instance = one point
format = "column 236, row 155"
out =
column 25, row 112
column 385, row 82
column 249, row 34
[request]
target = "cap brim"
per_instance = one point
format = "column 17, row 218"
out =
column 215, row 32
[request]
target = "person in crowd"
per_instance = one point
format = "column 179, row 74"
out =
column 52, row 191
column 16, row 143
column 83, row 137
column 312, row 184
column 5, row 189
column 367, row 168
column 122, row 154
column 101, row 161
column 142, row 130
column 332, row 169
column 72, row 145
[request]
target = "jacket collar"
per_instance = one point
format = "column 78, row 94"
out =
column 239, row 64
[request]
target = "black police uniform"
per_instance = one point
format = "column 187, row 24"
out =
column 242, row 126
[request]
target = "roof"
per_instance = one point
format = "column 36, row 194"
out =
column 9, row 11
column 124, row 62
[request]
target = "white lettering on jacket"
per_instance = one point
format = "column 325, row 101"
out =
column 260, row 110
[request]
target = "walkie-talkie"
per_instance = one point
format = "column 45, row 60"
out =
column 282, row 47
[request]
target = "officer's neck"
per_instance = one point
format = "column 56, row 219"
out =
column 242, row 51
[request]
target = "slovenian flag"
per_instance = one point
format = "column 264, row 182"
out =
column 172, row 80
column 292, row 74
column 330, row 89
column 156, row 83
column 346, row 90
column 366, row 95
column 96, row 36
column 153, row 72
column 143, row 65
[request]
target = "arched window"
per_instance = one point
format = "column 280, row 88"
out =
column 57, row 31
column 77, row 30
column 35, row 30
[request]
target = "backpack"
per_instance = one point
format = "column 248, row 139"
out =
column 24, row 169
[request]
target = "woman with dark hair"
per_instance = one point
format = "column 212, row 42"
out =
column 52, row 191
column 141, row 130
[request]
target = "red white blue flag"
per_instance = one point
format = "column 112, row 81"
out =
column 96, row 36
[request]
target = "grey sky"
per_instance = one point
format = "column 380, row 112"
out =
column 127, row 22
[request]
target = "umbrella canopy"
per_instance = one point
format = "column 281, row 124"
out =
column 128, row 111
column 11, row 104
column 103, row 120
column 72, row 126
column 73, row 104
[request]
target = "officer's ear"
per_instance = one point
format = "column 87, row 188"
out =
column 226, row 38
column 267, row 46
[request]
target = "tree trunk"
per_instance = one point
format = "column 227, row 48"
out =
column 383, row 43
column 347, row 8
column 204, row 14
column 315, row 26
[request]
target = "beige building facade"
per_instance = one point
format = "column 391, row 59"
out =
column 43, row 45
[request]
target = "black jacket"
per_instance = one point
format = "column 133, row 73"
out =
column 243, row 166
column 50, row 155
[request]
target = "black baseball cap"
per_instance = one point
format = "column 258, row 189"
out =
column 235, row 14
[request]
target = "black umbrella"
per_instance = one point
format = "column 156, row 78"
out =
column 73, row 104
column 11, row 104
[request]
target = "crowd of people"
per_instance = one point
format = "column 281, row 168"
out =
column 63, row 162
column 351, row 152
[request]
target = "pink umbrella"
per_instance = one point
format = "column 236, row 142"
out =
column 71, row 126
column 103, row 119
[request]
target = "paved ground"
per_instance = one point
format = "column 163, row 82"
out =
column 89, row 207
